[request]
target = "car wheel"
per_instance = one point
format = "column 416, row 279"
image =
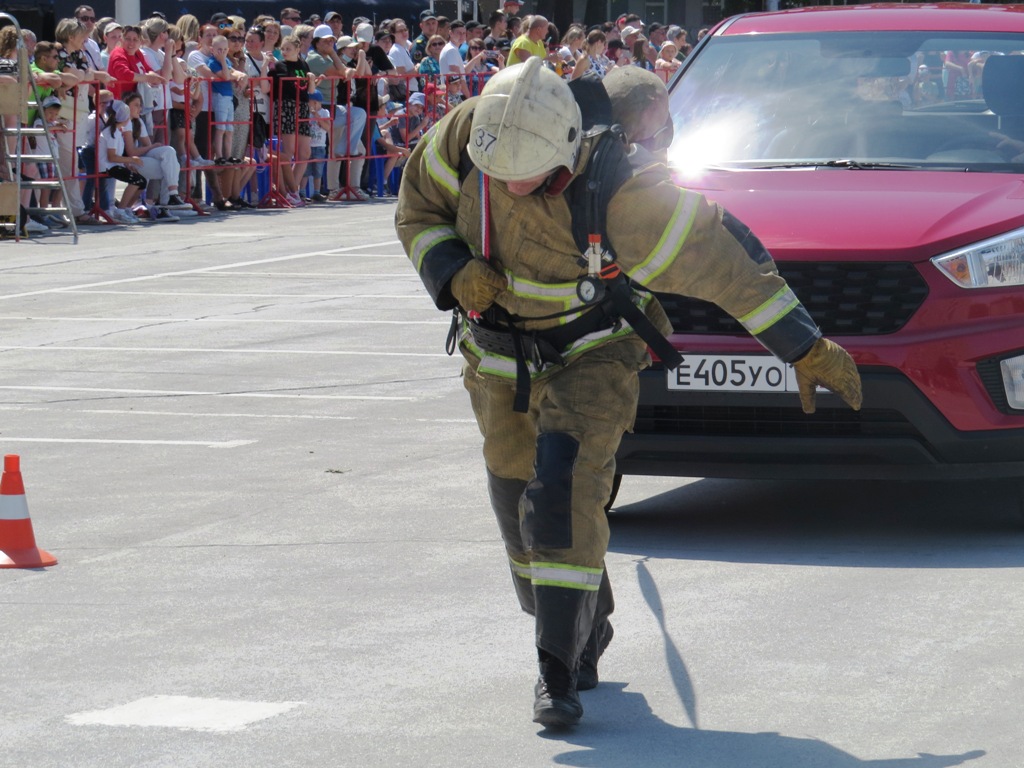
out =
column 618, row 481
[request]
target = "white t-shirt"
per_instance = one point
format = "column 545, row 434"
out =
column 451, row 58
column 105, row 142
column 92, row 54
column 176, row 91
column 52, row 140
column 198, row 59
column 317, row 133
column 88, row 136
column 400, row 57
column 161, row 94
column 260, row 101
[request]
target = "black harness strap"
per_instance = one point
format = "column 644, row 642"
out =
column 622, row 299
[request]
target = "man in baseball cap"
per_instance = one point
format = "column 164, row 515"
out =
column 324, row 31
column 334, row 20
column 511, row 7
column 428, row 28
column 364, row 33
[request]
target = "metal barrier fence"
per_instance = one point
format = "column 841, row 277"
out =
column 273, row 113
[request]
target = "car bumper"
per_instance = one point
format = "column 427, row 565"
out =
column 897, row 435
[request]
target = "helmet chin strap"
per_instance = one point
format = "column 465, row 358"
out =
column 558, row 181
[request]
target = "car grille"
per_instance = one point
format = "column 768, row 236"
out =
column 844, row 298
column 731, row 421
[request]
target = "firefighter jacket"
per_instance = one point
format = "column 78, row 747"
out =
column 666, row 239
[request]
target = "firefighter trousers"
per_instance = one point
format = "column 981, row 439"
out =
column 550, row 474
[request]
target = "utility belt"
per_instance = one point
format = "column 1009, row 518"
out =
column 503, row 337
column 541, row 347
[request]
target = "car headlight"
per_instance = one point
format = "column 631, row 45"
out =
column 995, row 263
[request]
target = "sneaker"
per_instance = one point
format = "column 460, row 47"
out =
column 294, row 200
column 33, row 227
column 141, row 213
column 556, row 703
column 223, row 205
column 122, row 216
column 318, row 198
column 186, row 213
column 173, row 201
column 55, row 222
column 200, row 162
column 362, row 196
column 163, row 215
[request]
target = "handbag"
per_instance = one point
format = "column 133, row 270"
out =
column 260, row 130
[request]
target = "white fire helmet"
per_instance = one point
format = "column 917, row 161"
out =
column 526, row 123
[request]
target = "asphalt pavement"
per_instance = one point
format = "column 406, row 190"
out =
column 242, row 439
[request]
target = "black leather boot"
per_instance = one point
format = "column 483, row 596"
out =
column 557, row 705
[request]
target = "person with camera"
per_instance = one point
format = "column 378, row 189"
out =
column 481, row 64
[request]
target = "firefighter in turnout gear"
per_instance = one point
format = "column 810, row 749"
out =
column 531, row 224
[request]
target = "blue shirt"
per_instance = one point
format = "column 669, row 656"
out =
column 220, row 87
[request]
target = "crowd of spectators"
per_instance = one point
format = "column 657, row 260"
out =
column 201, row 106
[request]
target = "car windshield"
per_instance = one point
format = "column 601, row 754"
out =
column 853, row 100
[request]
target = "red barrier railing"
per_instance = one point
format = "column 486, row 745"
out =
column 367, row 125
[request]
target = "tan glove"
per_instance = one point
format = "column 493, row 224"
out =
column 828, row 365
column 477, row 285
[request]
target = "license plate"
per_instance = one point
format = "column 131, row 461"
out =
column 733, row 373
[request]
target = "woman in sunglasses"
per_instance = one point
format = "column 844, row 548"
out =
column 481, row 64
column 430, row 66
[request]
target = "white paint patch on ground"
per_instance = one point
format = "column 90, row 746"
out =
column 185, row 712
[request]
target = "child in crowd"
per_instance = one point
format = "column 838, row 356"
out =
column 49, row 198
column 411, row 123
column 223, row 103
column 666, row 64
column 319, row 125
column 386, row 144
column 159, row 165
column 115, row 163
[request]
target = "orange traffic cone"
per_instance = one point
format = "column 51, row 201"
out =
column 17, row 542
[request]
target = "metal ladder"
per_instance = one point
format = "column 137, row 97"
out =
column 15, row 101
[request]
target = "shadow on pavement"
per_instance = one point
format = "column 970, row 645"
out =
column 619, row 729
column 858, row 524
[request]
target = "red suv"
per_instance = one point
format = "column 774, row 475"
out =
column 878, row 152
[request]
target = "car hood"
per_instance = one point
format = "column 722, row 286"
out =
column 905, row 215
